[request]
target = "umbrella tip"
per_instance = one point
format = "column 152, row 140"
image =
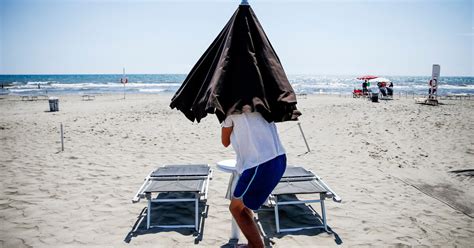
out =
column 244, row 2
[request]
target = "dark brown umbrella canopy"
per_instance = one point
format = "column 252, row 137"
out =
column 239, row 68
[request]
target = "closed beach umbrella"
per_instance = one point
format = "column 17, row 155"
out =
column 239, row 68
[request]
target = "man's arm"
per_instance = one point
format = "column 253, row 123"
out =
column 225, row 136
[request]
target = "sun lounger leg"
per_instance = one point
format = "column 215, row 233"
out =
column 323, row 212
column 148, row 215
column 277, row 218
column 196, row 210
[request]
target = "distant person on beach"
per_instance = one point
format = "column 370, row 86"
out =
column 39, row 87
column 390, row 89
column 382, row 88
column 433, row 87
column 261, row 162
column 364, row 87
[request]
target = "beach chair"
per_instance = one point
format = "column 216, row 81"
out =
column 295, row 181
column 356, row 93
column 192, row 179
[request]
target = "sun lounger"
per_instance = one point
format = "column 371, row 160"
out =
column 302, row 95
column 298, row 180
column 43, row 97
column 427, row 101
column 457, row 96
column 29, row 97
column 88, row 97
column 193, row 179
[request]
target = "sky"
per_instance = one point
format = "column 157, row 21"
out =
column 350, row 37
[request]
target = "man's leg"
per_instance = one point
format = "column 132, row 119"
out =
column 244, row 218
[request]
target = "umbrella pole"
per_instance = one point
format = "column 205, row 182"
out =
column 123, row 82
column 62, row 138
column 301, row 130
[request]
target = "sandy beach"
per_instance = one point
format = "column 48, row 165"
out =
column 391, row 162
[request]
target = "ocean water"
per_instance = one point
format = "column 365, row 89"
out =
column 169, row 83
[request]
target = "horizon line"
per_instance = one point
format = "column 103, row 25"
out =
column 180, row 73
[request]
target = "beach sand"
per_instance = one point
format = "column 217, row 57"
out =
column 390, row 162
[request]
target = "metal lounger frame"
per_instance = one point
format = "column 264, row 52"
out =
column 198, row 196
column 322, row 196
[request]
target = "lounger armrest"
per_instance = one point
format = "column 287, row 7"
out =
column 205, row 188
column 136, row 199
column 139, row 193
column 335, row 197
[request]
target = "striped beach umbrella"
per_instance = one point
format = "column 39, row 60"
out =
column 367, row 77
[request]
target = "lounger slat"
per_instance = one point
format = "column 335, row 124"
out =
column 292, row 172
column 299, row 187
column 182, row 170
column 296, row 179
column 178, row 178
column 174, row 186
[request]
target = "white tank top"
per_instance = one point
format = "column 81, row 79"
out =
column 254, row 140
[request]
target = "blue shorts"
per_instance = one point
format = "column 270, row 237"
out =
column 255, row 184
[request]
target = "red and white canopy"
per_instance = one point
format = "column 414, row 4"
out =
column 367, row 77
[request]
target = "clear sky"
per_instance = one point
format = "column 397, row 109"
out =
column 351, row 37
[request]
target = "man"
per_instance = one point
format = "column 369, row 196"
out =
column 261, row 162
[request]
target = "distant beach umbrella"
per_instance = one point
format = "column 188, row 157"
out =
column 367, row 77
column 239, row 68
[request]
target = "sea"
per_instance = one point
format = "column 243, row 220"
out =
column 169, row 83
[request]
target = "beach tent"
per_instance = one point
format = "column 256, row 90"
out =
column 380, row 80
column 239, row 68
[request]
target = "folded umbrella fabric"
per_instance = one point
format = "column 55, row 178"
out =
column 239, row 68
